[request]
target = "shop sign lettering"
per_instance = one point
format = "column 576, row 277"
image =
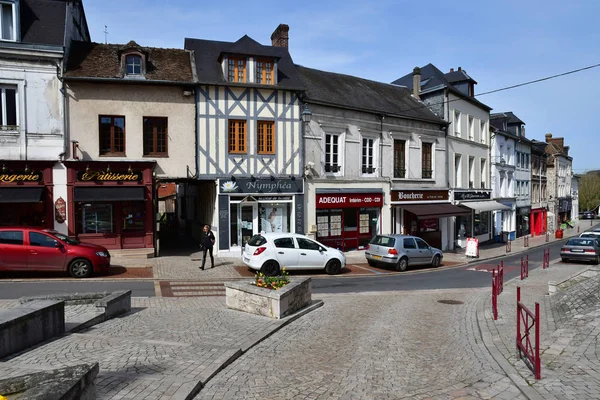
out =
column 102, row 176
column 262, row 185
column 357, row 200
column 21, row 176
column 472, row 195
column 417, row 195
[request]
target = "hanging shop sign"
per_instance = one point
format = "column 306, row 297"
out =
column 60, row 210
column 21, row 176
column 419, row 195
column 103, row 176
column 349, row 200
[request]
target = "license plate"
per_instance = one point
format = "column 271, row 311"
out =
column 576, row 250
column 246, row 259
column 377, row 257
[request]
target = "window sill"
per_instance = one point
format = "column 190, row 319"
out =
column 266, row 154
column 113, row 155
column 155, row 156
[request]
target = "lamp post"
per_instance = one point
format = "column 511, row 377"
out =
column 306, row 114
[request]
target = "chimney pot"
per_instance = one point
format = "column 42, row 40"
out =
column 417, row 82
column 548, row 136
column 280, row 36
column 451, row 69
column 460, row 68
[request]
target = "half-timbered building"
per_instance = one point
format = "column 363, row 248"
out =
column 248, row 138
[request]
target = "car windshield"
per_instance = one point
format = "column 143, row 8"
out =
column 581, row 242
column 257, row 240
column 65, row 238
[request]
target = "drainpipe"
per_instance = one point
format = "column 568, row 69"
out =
column 63, row 91
column 381, row 118
column 452, row 242
column 197, row 132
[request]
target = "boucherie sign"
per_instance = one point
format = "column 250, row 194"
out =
column 349, row 200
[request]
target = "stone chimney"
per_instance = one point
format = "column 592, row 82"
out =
column 548, row 137
column 280, row 36
column 451, row 69
column 460, row 68
column 416, row 82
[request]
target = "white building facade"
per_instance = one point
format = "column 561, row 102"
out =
column 503, row 178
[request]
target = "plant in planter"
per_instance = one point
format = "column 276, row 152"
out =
column 271, row 282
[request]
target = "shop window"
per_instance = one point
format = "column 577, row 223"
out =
column 463, row 227
column 155, row 136
column 481, row 223
column 11, row 237
column 399, row 158
column 112, row 135
column 329, row 224
column 23, row 214
column 41, row 240
column 426, row 161
column 96, row 218
column 266, row 137
column 274, row 217
column 237, row 137
column 8, row 108
column 134, row 216
column 285, row 243
column 233, row 220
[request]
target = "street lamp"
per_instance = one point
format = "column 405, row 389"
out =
column 306, row 114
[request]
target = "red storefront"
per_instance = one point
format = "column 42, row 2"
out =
column 26, row 194
column 348, row 221
column 538, row 221
column 112, row 204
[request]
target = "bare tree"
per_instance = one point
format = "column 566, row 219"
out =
column 589, row 191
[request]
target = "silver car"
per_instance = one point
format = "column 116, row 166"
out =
column 581, row 249
column 402, row 251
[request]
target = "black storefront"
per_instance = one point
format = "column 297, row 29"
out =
column 523, row 221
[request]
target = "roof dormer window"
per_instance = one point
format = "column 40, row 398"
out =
column 264, row 71
column 133, row 63
column 236, row 69
column 7, row 21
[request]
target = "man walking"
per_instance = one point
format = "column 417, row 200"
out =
column 207, row 242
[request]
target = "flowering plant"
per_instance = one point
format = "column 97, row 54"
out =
column 272, row 282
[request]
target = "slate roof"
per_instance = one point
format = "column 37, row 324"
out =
column 96, row 60
column 512, row 118
column 432, row 79
column 329, row 88
column 43, row 21
column 209, row 53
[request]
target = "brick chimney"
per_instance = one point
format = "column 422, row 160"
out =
column 548, row 137
column 280, row 36
column 416, row 82
column 451, row 69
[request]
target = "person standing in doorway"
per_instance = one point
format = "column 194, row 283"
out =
column 207, row 242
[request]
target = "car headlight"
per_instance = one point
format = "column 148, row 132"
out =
column 102, row 254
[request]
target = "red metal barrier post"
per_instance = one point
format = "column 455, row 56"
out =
column 547, row 237
column 546, row 262
column 508, row 245
column 525, row 241
column 494, row 295
column 525, row 346
column 501, row 277
column 524, row 267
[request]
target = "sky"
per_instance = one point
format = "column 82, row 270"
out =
column 498, row 43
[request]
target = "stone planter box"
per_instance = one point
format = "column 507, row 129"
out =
column 277, row 304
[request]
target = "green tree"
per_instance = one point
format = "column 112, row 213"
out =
column 589, row 191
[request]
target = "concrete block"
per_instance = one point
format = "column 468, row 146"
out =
column 115, row 303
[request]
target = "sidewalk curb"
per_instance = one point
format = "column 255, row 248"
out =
column 254, row 340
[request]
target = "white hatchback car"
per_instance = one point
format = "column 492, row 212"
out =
column 270, row 252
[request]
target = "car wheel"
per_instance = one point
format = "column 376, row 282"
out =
column 563, row 260
column 270, row 268
column 80, row 268
column 437, row 261
column 333, row 267
column 371, row 263
column 597, row 260
column 402, row 264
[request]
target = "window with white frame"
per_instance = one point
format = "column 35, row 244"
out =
column 368, row 156
column 471, row 128
column 7, row 22
column 9, row 115
column 483, row 132
column 457, row 171
column 332, row 153
column 471, row 172
column 133, row 64
column 483, row 171
column 456, row 123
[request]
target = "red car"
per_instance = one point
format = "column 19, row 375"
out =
column 31, row 249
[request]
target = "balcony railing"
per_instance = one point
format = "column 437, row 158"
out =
column 483, row 185
column 427, row 173
column 332, row 168
column 368, row 170
column 471, row 184
column 399, row 173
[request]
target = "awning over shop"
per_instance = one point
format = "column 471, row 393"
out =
column 435, row 210
column 490, row 205
column 21, row 195
column 109, row 194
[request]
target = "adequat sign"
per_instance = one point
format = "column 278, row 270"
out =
column 21, row 176
column 103, row 176
column 419, row 195
column 349, row 200
column 262, row 185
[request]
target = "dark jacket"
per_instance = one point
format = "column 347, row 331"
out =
column 207, row 239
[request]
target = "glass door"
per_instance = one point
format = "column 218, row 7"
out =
column 248, row 222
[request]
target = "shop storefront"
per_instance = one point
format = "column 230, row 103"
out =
column 523, row 221
column 505, row 221
column 479, row 224
column 248, row 206
column 538, row 221
column 347, row 221
column 426, row 214
column 26, row 194
column 112, row 203
column 564, row 210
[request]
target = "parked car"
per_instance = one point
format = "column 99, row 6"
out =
column 31, row 249
column 594, row 232
column 588, row 215
column 581, row 249
column 401, row 252
column 270, row 252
